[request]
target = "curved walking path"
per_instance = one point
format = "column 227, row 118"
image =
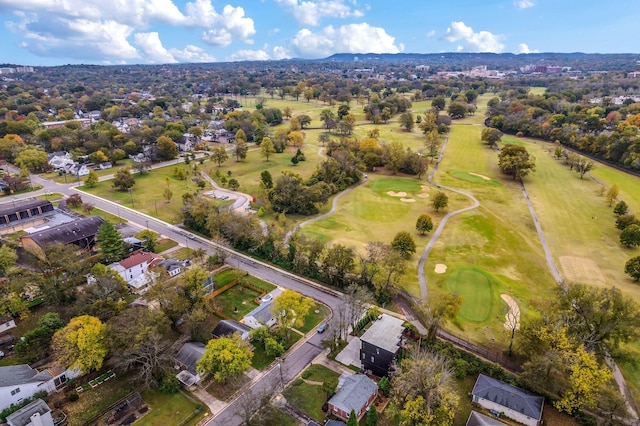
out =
column 422, row 279
column 334, row 206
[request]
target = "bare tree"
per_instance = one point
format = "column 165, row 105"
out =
column 145, row 359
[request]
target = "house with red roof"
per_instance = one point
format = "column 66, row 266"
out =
column 135, row 270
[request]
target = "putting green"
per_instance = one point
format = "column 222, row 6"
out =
column 474, row 286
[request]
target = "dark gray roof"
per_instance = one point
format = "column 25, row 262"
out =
column 8, row 208
column 262, row 313
column 22, row 417
column 170, row 264
column 189, row 355
column 228, row 327
column 335, row 423
column 67, row 233
column 509, row 396
column 15, row 375
column 478, row 419
column 354, row 393
column 385, row 333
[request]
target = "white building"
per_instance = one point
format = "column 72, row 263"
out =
column 36, row 413
column 21, row 381
column 135, row 270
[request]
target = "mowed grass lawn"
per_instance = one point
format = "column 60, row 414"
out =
column 497, row 241
column 309, row 398
column 148, row 190
column 174, row 409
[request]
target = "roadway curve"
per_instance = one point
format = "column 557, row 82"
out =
column 423, row 259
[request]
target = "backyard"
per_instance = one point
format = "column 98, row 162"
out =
column 309, row 397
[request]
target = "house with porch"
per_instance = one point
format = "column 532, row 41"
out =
column 21, row 381
column 515, row 403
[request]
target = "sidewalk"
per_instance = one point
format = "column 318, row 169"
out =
column 331, row 364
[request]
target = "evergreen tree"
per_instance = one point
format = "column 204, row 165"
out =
column 111, row 243
column 353, row 420
column 372, row 416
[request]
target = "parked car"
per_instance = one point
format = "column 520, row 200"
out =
column 266, row 298
column 190, row 236
column 323, row 327
column 1, row 354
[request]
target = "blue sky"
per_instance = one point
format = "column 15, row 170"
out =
column 55, row 32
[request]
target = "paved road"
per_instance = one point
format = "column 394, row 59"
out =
column 422, row 279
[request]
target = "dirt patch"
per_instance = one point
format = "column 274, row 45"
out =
column 408, row 200
column 480, row 176
column 512, row 318
column 423, row 195
column 440, row 268
column 581, row 269
column 397, row 194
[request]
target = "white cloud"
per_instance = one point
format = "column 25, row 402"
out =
column 152, row 48
column 524, row 4
column 524, row 48
column 352, row 38
column 431, row 33
column 279, row 52
column 310, row 12
column 481, row 41
column 192, row 54
column 249, row 55
column 228, row 26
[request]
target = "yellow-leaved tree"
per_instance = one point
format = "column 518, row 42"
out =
column 291, row 308
column 225, row 357
column 81, row 343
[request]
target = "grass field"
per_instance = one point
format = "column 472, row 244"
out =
column 174, row 409
column 147, row 193
column 309, row 398
column 476, row 288
column 237, row 301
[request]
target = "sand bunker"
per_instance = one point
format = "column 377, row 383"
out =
column 512, row 318
column 425, row 188
column 440, row 268
column 423, row 195
column 397, row 194
column 480, row 176
column 408, row 200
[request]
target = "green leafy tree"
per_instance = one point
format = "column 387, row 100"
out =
column 92, row 179
column 266, row 179
column 149, row 239
column 457, row 110
column 621, row 208
column 81, row 343
column 233, row 184
column 406, row 121
column 240, row 149
column 385, row 386
column 34, row 345
column 167, row 148
column 219, row 155
column 167, row 194
column 632, row 268
column 491, row 136
column 35, row 159
column 625, row 220
column 438, row 103
column 630, row 236
column 111, row 243
column 225, row 358
column 267, row 148
column 372, row 416
column 8, row 258
column 424, row 224
column 514, row 160
column 404, row 244
column 353, row 419
column 123, row 180
column 439, row 201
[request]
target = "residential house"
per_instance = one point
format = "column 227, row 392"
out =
column 172, row 266
column 479, row 419
column 81, row 232
column 517, row 404
column 380, row 344
column 36, row 413
column 226, row 328
column 105, row 165
column 59, row 160
column 260, row 316
column 187, row 362
column 79, row 170
column 355, row 392
column 133, row 244
column 6, row 323
column 135, row 270
column 21, row 381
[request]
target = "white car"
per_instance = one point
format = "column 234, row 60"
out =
column 266, row 298
column 1, row 354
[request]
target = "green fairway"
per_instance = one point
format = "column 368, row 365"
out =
column 474, row 286
column 474, row 177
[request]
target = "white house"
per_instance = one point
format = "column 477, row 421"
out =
column 36, row 413
column 60, row 160
column 517, row 404
column 79, row 170
column 21, row 381
column 135, row 270
column 262, row 315
column 172, row 266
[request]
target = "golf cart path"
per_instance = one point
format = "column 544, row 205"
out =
column 423, row 259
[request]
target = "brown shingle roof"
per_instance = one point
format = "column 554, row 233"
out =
column 138, row 258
